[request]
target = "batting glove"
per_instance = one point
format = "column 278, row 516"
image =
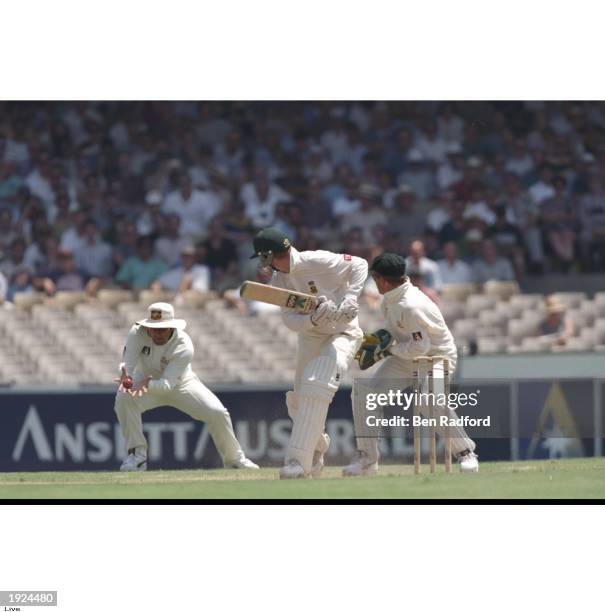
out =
column 324, row 313
column 348, row 310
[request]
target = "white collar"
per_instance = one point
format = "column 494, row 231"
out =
column 398, row 292
column 294, row 259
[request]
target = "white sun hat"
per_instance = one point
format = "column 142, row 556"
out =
column 161, row 315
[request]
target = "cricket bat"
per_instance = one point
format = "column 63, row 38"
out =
column 299, row 302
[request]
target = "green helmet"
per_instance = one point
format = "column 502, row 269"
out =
column 267, row 242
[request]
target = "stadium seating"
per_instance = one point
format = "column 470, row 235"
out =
column 73, row 341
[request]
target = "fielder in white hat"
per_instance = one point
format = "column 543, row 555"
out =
column 156, row 371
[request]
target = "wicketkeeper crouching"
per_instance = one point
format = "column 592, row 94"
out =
column 156, row 371
column 414, row 327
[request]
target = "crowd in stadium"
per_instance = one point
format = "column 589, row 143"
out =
column 168, row 194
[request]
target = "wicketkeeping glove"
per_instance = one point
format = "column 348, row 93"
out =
column 374, row 348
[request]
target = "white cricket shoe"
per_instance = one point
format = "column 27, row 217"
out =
column 135, row 462
column 469, row 462
column 318, row 458
column 361, row 466
column 292, row 469
column 244, row 464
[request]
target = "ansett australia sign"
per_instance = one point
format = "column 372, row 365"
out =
column 80, row 432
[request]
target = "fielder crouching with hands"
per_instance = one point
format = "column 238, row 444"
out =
column 156, row 371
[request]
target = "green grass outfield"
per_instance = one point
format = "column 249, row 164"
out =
column 566, row 478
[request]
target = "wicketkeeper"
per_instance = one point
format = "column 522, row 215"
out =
column 414, row 327
column 156, row 371
column 328, row 339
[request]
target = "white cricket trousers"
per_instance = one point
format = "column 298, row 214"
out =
column 192, row 398
column 339, row 350
column 401, row 371
column 321, row 363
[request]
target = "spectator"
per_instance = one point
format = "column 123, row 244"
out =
column 21, row 281
column 15, row 259
column 450, row 125
column 66, row 276
column 456, row 228
column 170, row 245
column 49, row 256
column 35, row 254
column 316, row 212
column 68, row 162
column 592, row 228
column 281, row 220
column 307, row 240
column 3, row 287
column 441, row 214
column 140, row 270
column 125, row 241
column 389, row 190
column 508, row 240
column 395, row 157
column 150, row 220
column 230, row 154
column 8, row 232
column 348, row 203
column 220, row 189
column 73, row 237
column 187, row 276
column 213, row 127
column 418, row 263
column 431, row 145
column 218, row 252
column 479, row 207
column 369, row 215
column 93, row 256
column 370, row 170
column 419, row 175
column 495, row 174
column 317, row 167
column 490, row 266
column 521, row 162
column 291, row 178
column 16, row 149
column 451, row 170
column 556, row 327
column 59, row 214
column 452, row 269
column 354, row 150
column 472, row 245
column 543, row 188
column 334, row 140
column 522, row 208
column 194, row 208
column 10, row 181
column 340, row 184
column 558, row 223
column 406, row 221
column 38, row 182
column 260, row 198
column 353, row 244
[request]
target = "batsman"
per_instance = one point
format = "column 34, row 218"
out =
column 328, row 338
column 414, row 327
